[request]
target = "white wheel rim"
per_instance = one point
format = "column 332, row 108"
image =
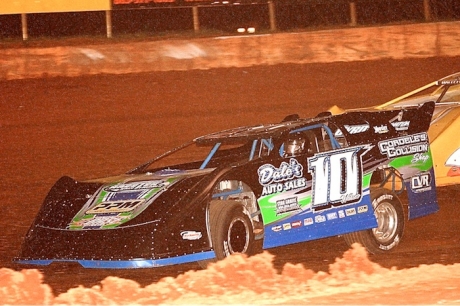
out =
column 387, row 222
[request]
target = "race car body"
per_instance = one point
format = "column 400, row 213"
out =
column 247, row 189
column 445, row 124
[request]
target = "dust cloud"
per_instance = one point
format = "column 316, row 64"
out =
column 351, row 279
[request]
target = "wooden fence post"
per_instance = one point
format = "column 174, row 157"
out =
column 353, row 18
column 196, row 20
column 427, row 10
column 25, row 34
column 108, row 23
column 271, row 12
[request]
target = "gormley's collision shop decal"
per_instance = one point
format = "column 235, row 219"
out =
column 118, row 203
column 406, row 145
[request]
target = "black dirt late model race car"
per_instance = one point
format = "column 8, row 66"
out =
column 360, row 174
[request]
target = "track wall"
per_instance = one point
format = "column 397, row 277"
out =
column 351, row 44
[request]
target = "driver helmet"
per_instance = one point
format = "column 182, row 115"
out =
column 294, row 145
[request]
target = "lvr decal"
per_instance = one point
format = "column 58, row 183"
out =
column 337, row 177
column 421, row 182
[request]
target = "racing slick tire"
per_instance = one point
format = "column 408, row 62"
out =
column 231, row 230
column 390, row 219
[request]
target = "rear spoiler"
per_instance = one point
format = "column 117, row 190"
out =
column 381, row 124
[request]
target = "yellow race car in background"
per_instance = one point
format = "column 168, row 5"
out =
column 444, row 132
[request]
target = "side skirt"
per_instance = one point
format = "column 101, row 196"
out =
column 127, row 264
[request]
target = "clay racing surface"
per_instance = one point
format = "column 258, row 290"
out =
column 93, row 126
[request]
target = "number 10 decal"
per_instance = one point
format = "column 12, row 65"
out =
column 337, row 176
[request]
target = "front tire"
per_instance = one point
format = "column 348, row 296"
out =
column 231, row 230
column 390, row 224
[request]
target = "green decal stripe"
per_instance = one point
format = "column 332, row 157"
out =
column 268, row 207
column 366, row 181
column 421, row 165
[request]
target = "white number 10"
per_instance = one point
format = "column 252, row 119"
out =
column 337, row 177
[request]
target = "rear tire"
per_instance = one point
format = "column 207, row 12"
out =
column 231, row 230
column 390, row 219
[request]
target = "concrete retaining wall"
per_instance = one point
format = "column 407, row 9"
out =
column 352, row 44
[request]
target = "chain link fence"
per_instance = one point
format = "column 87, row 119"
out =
column 225, row 18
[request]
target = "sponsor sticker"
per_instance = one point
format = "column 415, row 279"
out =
column 134, row 186
column 120, row 201
column 398, row 123
column 287, row 171
column 350, row 211
column 383, row 197
column 191, row 235
column 320, row 219
column 287, row 205
column 382, row 129
column 421, row 182
column 307, row 221
column 100, row 221
column 362, row 209
column 353, row 129
column 288, row 176
column 401, row 125
column 411, row 144
column 115, row 207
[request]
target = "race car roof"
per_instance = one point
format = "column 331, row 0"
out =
column 247, row 133
column 276, row 130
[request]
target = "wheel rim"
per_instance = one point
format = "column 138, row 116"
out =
column 387, row 222
column 238, row 236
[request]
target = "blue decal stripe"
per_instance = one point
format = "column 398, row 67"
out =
column 129, row 264
column 34, row 262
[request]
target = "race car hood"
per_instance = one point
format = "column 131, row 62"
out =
column 120, row 199
column 119, row 218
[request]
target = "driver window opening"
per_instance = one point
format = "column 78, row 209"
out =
column 298, row 143
column 266, row 146
column 310, row 141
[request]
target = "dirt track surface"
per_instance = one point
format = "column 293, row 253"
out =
column 93, row 126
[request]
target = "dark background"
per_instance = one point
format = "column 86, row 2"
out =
column 290, row 15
